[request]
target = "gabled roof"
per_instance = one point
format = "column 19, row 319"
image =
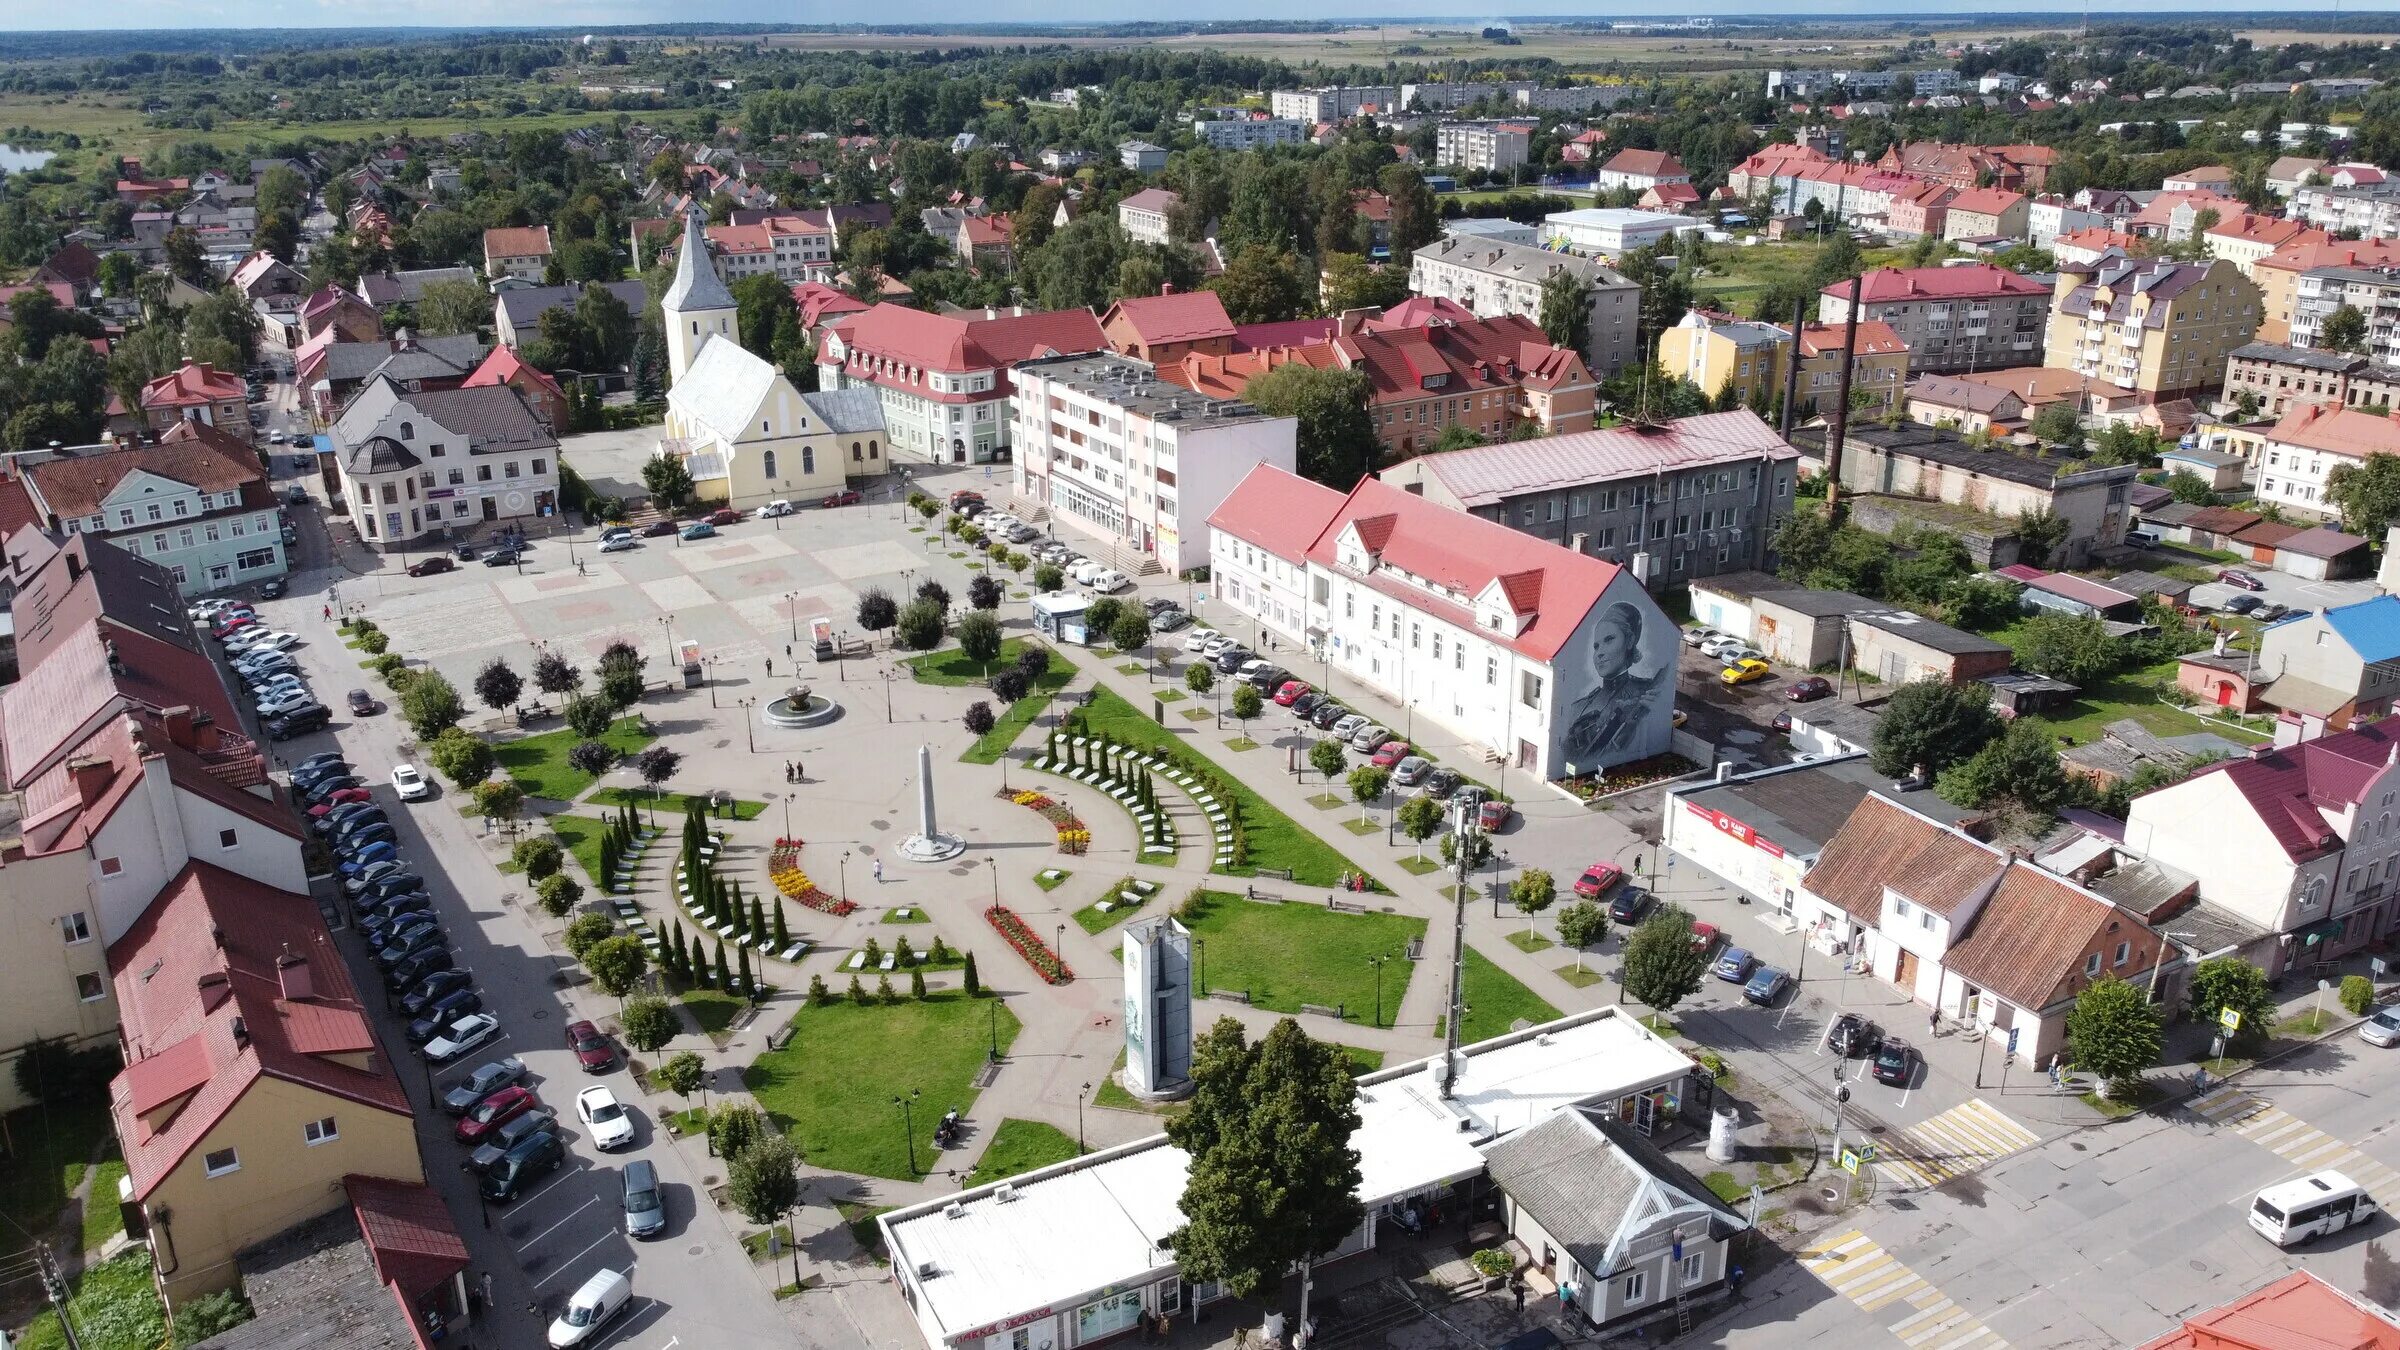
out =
column 1176, row 316
column 1875, row 338
column 2371, row 627
column 858, row 408
column 503, row 366
column 1886, row 284
column 968, row 340
column 2293, row 790
column 75, row 486
column 524, row 306
column 204, row 964
column 192, row 384
column 1985, row 201
column 2334, row 429
column 1886, row 844
column 517, row 242
column 1595, row 1186
column 2027, row 943
column 1644, row 163
column 1953, row 393
column 2323, row 541
column 1277, row 510
column 1490, row 474
column 724, row 386
column 408, row 1232
column 1159, row 200
column 2298, row 1312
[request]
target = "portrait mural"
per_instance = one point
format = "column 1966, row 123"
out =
column 1616, row 683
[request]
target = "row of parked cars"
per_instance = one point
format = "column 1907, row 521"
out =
column 1083, row 571
column 261, row 657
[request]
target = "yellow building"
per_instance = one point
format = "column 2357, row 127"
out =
column 253, row 1081
column 1878, row 376
column 2162, row 329
column 1713, row 350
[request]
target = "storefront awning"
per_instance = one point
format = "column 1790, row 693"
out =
column 2323, row 930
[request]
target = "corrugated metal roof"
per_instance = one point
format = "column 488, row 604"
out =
column 1488, row 474
column 2371, row 627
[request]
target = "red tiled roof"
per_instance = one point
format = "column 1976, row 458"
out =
column 819, row 302
column 2298, row 1312
column 1875, row 338
column 503, row 366
column 986, row 230
column 1289, row 333
column 1276, row 510
column 217, row 925
column 1985, row 201
column 1151, row 199
column 2028, row 942
column 528, row 241
column 1178, row 316
column 1496, row 353
column 1885, row 844
column 1645, row 163
column 16, row 507
column 958, row 342
column 192, row 384
column 202, row 458
column 1937, row 283
column 2336, row 430
column 1419, row 310
column 408, row 1232
column 2292, row 789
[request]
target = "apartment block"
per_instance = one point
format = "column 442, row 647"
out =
column 1952, row 318
column 1493, row 147
column 2162, row 329
column 1491, row 278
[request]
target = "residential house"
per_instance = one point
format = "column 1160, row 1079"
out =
column 263, row 278
column 2331, row 671
column 1640, row 170
column 2050, row 215
column 2160, row 328
column 2278, row 277
column 517, row 313
column 1980, row 935
column 983, row 243
column 1490, row 278
column 1133, row 461
column 2288, row 173
column 1965, row 167
column 520, row 252
column 1876, row 358
column 1142, row 156
column 336, row 315
column 944, row 377
column 1937, row 400
column 1691, row 498
column 1717, row 351
column 1612, row 1222
column 414, row 466
column 1920, row 212
column 1259, row 538
column 2280, row 376
column 2207, row 178
column 2094, row 245
column 387, row 288
column 502, row 366
column 1143, row 215
column 1164, row 328
column 330, row 373
column 195, row 503
column 2309, row 441
column 821, row 304
column 1986, row 213
column 1555, row 660
column 2243, row 238
column 2299, row 1309
column 199, row 392
column 1493, row 147
column 2297, row 841
column 1888, row 468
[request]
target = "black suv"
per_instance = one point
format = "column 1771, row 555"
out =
column 1853, row 1037
column 516, row 1170
column 299, row 721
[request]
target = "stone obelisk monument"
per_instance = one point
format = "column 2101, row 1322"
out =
column 928, row 844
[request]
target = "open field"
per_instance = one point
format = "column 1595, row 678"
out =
column 121, row 129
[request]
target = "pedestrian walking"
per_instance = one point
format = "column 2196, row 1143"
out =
column 1733, row 1281
column 879, row 871
column 799, row 771
column 1516, row 1286
column 770, row 667
column 1933, row 1022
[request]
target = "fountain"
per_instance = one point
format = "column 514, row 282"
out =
column 801, row 706
column 928, row 844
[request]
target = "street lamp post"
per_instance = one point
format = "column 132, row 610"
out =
column 908, row 1126
column 1200, row 949
column 712, row 682
column 791, row 609
column 995, row 1029
column 845, row 868
column 992, row 865
column 1378, row 962
column 749, row 728
column 1080, row 1146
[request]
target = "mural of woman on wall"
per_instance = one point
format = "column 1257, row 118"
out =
column 1618, row 718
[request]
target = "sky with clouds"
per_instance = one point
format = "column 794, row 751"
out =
column 26, row 14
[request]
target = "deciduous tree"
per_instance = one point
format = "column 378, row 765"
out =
column 2116, row 1034
column 1662, row 967
column 1931, row 724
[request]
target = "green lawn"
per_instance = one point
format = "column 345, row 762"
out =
column 1287, row 955
column 665, row 804
column 951, row 667
column 906, row 914
column 539, row 763
column 1736, row 276
column 102, row 1219
column 1051, row 878
column 1529, row 942
column 1495, row 1000
column 860, row 1219
column 1581, row 979
column 52, row 1147
column 114, row 1305
column 1093, row 920
column 1363, row 1061
column 713, row 1009
column 1021, row 1146
column 832, row 1084
column 2130, row 693
column 1276, row 840
column 580, row 837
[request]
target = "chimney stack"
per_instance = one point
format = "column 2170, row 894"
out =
column 92, row 774
column 292, row 970
column 179, row 723
column 215, row 988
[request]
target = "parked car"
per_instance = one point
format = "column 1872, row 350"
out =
column 2270, row 612
column 1629, row 905
column 487, row 1114
column 503, row 557
column 318, row 762
column 410, row 784
column 468, row 1032
column 287, row 699
column 1329, row 716
column 1441, row 783
column 1745, row 671
column 1367, row 736
column 444, row 1015
column 2381, row 1029
column 1492, row 816
column 342, row 797
column 963, row 497
column 645, row 1213
column 433, row 989
column 416, row 968
column 658, row 529
column 407, row 945
column 1263, row 675
column 273, row 588
column 1411, row 770
column 540, row 1120
column 595, row 1052
column 605, row 1118
column 385, row 931
column 698, row 529
column 845, row 497
column 426, row 567
column 781, row 507
column 1598, row 879
column 486, row 1080
column 1290, row 692
column 724, row 515
column 1852, row 1036
column 1808, row 689
column 1767, row 986
column 298, row 722
column 2240, row 604
column 1234, row 658
column 1169, row 619
column 1895, row 1063
column 1705, row 938
column 262, row 639
column 1108, row 581
column 516, row 1170
column 1305, row 704
column 1198, row 639
column 1734, row 965
column 369, row 851
column 1389, row 754
column 1699, row 637
column 2248, row 581
column 623, row 543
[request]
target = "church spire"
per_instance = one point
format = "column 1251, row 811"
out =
column 697, row 288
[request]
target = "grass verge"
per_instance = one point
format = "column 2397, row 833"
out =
column 1020, row 1146
column 580, row 837
column 861, row 1222
column 539, row 765
column 670, row 806
column 1288, row 955
column 1581, row 979
column 1495, row 1002
column 713, row 1009
column 906, row 914
column 1051, row 878
column 114, row 1305
column 832, row 1084
column 1529, row 942
column 52, row 1146
column 951, row 667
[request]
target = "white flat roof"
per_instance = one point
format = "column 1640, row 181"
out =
column 1100, row 1221
column 1621, row 217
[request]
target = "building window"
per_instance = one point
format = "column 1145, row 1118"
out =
column 2124, row 953
column 511, row 469
column 110, row 867
column 1900, row 906
column 540, row 467
column 222, row 1161
column 1925, row 919
column 1530, row 691
column 228, row 839
column 1694, row 1269
column 1491, row 670
column 808, row 460
column 318, row 1132
column 75, row 928
column 767, row 464
column 1637, row 1288
column 90, row 988
column 2091, row 966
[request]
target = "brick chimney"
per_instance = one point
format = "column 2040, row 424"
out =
column 178, row 721
column 292, row 970
column 1166, row 288
column 215, row 987
column 93, row 774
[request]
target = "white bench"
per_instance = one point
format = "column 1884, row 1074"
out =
column 857, row 961
column 890, row 963
column 903, row 912
column 1103, row 906
column 795, row 951
column 1159, row 848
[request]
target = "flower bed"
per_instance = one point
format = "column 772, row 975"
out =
column 1045, row 962
column 1626, row 777
column 783, row 868
column 1073, row 835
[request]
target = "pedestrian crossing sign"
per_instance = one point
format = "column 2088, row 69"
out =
column 2230, row 1019
column 1850, row 1161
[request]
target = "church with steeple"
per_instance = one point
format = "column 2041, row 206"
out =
column 746, row 435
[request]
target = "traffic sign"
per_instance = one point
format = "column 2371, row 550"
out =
column 2012, row 1039
column 1850, row 1161
column 2230, row 1019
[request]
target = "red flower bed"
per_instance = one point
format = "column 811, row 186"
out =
column 1037, row 953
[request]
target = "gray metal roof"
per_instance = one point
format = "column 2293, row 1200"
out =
column 2306, row 357
column 380, row 454
column 1593, row 1185
column 525, row 307
column 434, row 358
column 1798, row 807
column 1819, row 604
column 1925, row 632
column 697, row 286
column 856, row 409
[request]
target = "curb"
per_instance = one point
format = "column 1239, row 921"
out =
column 2187, row 1092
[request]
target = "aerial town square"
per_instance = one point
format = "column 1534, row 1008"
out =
column 692, row 677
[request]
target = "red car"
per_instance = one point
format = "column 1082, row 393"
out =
column 493, row 1112
column 846, row 497
column 341, row 797
column 1597, row 879
column 230, row 623
column 1390, row 754
column 592, row 1050
column 425, row 567
column 1808, row 689
column 1290, row 692
column 963, row 496
column 1492, row 815
column 2234, row 576
column 724, row 515
column 1705, row 938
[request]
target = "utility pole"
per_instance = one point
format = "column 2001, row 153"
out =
column 1791, row 370
column 1837, row 428
column 1467, row 835
column 54, row 1284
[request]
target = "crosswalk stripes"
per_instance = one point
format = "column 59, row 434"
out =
column 1854, row 1266
column 1954, row 1143
column 2296, row 1141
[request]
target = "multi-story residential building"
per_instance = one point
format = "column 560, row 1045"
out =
column 1491, row 278
column 2278, row 274
column 1143, row 215
column 1137, row 462
column 1889, row 467
column 517, row 314
column 2243, row 238
column 789, row 246
column 1444, row 96
column 1986, row 213
column 1250, row 133
column 2162, row 329
column 1919, row 213
column 1334, row 103
column 2048, row 216
column 2297, row 841
column 1574, row 98
column 1555, row 661
column 1877, row 360
column 1493, row 147
column 330, row 373
column 2372, row 291
column 2288, row 173
column 1259, row 538
column 1164, row 328
column 199, row 392
column 944, row 377
column 2309, row 442
column 2330, row 671
column 984, row 244
column 1716, row 351
column 1142, row 156
column 1844, row 84
column 502, row 365
column 414, row 467
column 195, row 503
column 1640, row 170
column 1610, row 232
column 2283, row 376
column 2012, row 168
column 1690, row 499
column 2368, row 210
column 520, row 252
column 1976, row 317
column 1487, row 375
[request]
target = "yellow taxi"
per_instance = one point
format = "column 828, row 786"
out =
column 1746, row 670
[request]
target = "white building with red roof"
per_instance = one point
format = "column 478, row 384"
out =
column 944, row 377
column 1555, row 660
column 198, row 392
column 1641, row 170
column 2309, row 442
column 2298, row 841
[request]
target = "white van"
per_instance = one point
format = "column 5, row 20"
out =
column 2295, row 1211
column 602, row 1297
